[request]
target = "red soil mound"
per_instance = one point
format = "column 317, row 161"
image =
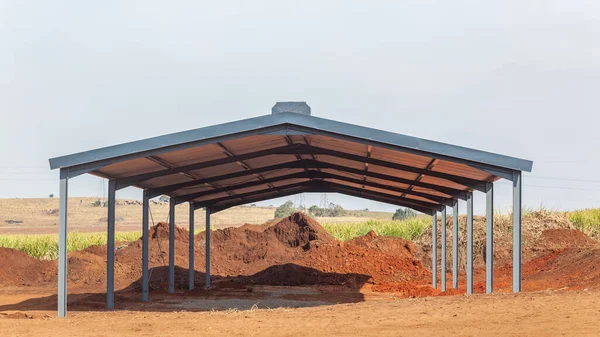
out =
column 297, row 251
column 564, row 238
column 298, row 230
column 161, row 230
column 18, row 269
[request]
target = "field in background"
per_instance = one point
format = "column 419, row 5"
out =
column 587, row 221
column 19, row 216
column 409, row 229
column 40, row 216
column 87, row 223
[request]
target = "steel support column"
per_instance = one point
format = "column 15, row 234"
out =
column 207, row 236
column 455, row 245
column 172, row 245
column 110, row 246
column 470, row 243
column 62, row 247
column 434, row 251
column 191, row 257
column 145, row 209
column 443, row 261
column 517, row 232
column 489, row 238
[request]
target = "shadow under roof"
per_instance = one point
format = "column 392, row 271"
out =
column 287, row 153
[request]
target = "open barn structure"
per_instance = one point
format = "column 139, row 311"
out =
column 288, row 152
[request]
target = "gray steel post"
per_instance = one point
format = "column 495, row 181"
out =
column 455, row 245
column 489, row 238
column 110, row 246
column 443, row 262
column 191, row 240
column 434, row 251
column 172, row 245
column 62, row 247
column 517, row 232
column 207, row 275
column 470, row 243
column 145, row 206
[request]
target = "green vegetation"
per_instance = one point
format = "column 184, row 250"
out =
column 404, row 213
column 285, row 210
column 410, row 229
column 332, row 210
column 45, row 247
column 587, row 221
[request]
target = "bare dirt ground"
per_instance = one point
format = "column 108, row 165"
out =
column 526, row 314
column 291, row 277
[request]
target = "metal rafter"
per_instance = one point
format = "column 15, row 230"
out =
column 420, row 176
column 136, row 179
column 369, row 149
column 322, row 188
column 308, row 150
column 169, row 165
column 430, row 205
column 313, row 175
column 241, row 163
column 309, row 164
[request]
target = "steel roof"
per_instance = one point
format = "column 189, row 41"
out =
column 286, row 153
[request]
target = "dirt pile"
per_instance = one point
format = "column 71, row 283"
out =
column 298, row 251
column 20, row 269
column 298, row 230
column 533, row 225
column 560, row 238
column 293, row 251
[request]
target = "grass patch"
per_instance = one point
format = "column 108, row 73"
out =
column 45, row 247
column 587, row 221
column 409, row 229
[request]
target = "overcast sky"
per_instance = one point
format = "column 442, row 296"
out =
column 520, row 78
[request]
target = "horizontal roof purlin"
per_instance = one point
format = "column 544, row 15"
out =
column 268, row 156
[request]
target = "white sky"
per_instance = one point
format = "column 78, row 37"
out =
column 520, row 78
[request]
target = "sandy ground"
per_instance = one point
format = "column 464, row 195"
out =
column 525, row 314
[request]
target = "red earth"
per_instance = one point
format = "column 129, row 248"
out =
column 297, row 251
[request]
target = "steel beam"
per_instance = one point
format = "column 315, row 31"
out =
column 471, row 183
column 301, row 149
column 404, row 201
column 455, row 245
column 207, row 245
column 191, row 275
column 62, row 247
column 443, row 260
column 128, row 181
column 489, row 238
column 313, row 175
column 145, row 211
column 434, row 251
column 110, row 246
column 318, row 187
column 517, row 190
column 470, row 244
column 172, row 245
column 308, row 163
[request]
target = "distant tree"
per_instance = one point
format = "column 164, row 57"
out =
column 284, row 210
column 332, row 210
column 51, row 196
column 164, row 198
column 404, row 213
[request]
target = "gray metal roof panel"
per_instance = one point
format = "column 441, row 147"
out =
column 268, row 123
